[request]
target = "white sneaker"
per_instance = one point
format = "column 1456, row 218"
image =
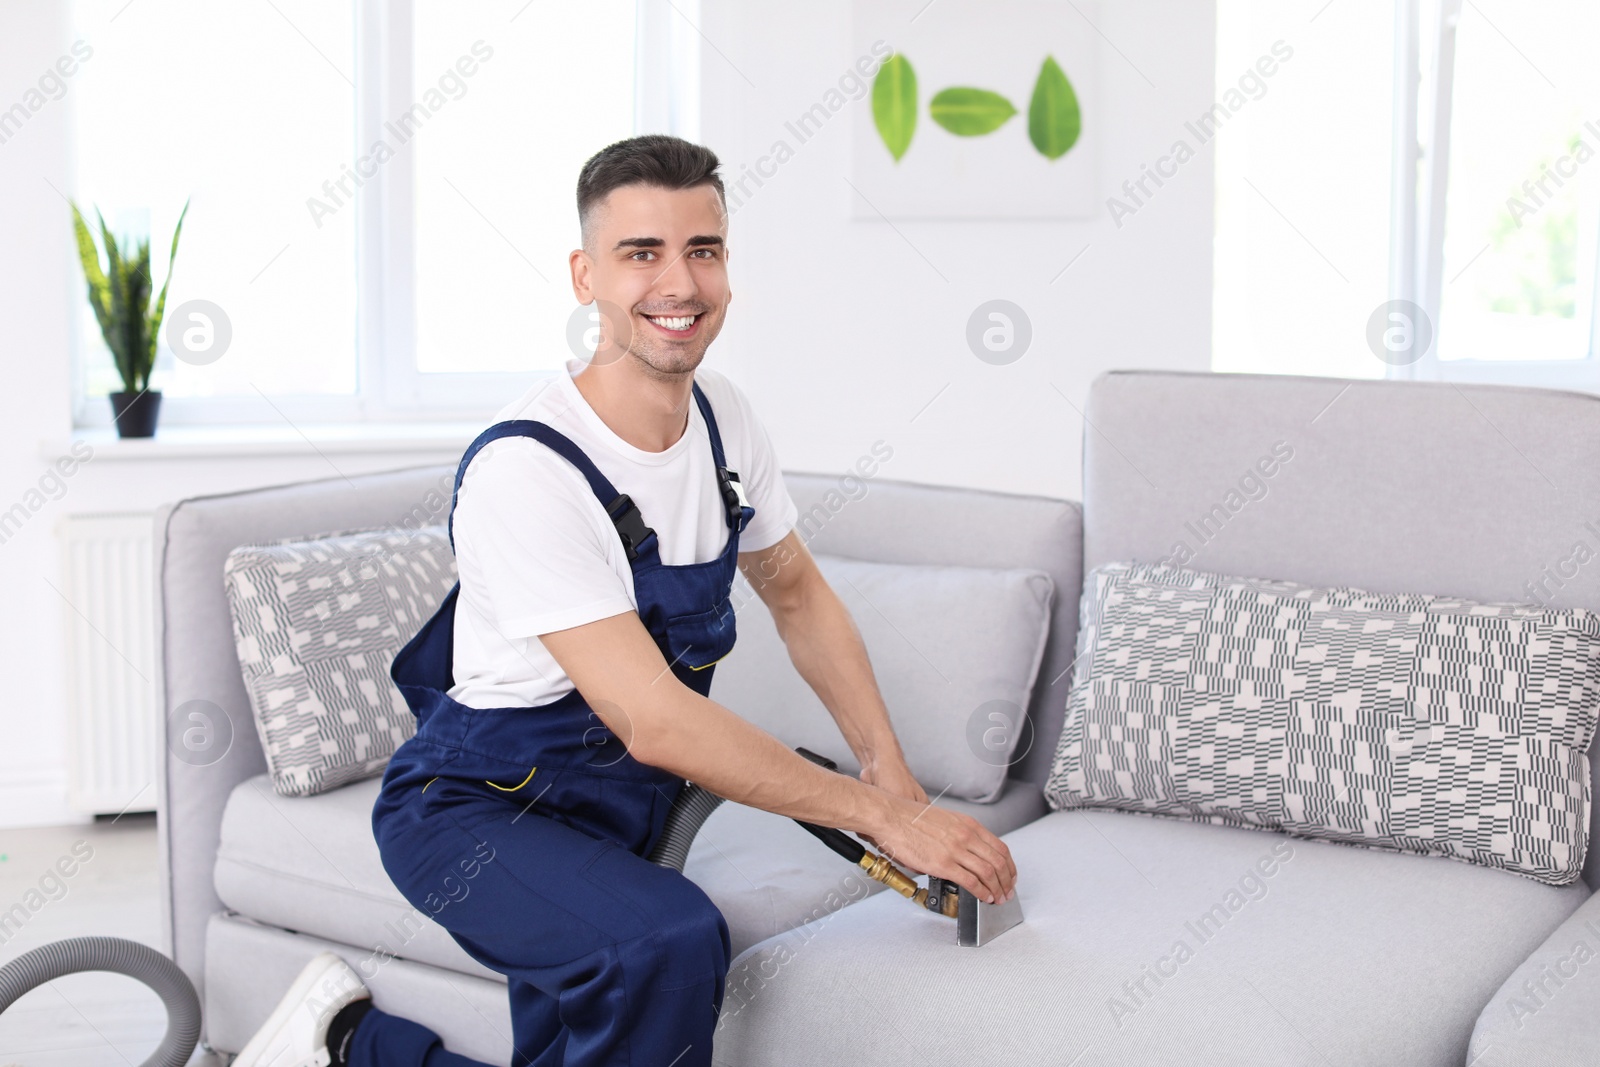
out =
column 296, row 1033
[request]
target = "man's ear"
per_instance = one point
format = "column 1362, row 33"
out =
column 579, row 264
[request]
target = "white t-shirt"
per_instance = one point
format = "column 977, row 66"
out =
column 536, row 551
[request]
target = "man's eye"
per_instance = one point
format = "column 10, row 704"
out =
column 642, row 252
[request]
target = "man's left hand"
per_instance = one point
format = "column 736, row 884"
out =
column 895, row 777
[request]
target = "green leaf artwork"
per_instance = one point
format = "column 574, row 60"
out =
column 1054, row 121
column 894, row 104
column 969, row 112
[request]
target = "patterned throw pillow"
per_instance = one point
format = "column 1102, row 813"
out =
column 316, row 624
column 1407, row 723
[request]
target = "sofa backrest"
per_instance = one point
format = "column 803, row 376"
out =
column 1485, row 492
column 864, row 518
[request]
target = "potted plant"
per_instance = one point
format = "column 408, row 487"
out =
column 120, row 296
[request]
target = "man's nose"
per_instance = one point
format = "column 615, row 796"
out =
column 676, row 279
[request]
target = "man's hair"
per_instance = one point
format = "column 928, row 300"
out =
column 657, row 159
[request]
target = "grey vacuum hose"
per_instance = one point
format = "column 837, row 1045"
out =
column 689, row 812
column 695, row 805
column 49, row 962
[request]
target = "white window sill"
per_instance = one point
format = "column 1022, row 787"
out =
column 446, row 439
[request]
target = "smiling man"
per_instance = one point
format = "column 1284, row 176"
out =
column 562, row 692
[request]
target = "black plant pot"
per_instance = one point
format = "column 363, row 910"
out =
column 135, row 413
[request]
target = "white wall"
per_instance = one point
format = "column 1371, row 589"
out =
column 33, row 349
column 883, row 335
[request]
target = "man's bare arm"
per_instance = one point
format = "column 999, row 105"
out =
column 824, row 645
column 620, row 672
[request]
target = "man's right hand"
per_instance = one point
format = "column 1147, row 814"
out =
column 927, row 839
column 619, row 669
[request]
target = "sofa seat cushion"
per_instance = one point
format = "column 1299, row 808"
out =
column 1149, row 940
column 311, row 864
column 768, row 875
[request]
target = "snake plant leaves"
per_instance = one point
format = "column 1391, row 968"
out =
column 1054, row 120
column 894, row 104
column 160, row 310
column 120, row 297
column 121, row 315
column 99, row 287
column 970, row 112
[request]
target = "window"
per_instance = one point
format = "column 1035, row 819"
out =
column 231, row 104
column 1514, row 290
column 1429, row 151
column 383, row 192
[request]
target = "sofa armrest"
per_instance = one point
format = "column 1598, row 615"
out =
column 1547, row 1014
column 197, row 666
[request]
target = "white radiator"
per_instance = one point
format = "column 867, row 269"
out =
column 112, row 729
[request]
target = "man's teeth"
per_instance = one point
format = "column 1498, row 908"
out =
column 681, row 323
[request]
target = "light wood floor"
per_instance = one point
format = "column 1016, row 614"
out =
column 84, row 1020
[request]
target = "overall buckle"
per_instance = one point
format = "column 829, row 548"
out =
column 630, row 525
column 733, row 497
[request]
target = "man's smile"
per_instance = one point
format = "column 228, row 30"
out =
column 676, row 326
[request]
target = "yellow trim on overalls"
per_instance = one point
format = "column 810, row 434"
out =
column 429, row 782
column 514, row 788
column 713, row 663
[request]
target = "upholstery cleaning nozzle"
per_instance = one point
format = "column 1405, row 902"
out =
column 976, row 922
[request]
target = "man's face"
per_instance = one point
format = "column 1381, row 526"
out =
column 657, row 266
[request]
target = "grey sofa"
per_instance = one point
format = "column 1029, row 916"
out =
column 1295, row 952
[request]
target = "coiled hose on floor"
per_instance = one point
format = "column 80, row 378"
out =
column 49, row 962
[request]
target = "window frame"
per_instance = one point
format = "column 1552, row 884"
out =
column 389, row 387
column 1424, row 89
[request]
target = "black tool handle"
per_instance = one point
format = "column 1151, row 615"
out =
column 822, row 761
column 838, row 840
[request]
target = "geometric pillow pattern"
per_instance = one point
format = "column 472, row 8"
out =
column 1410, row 723
column 317, row 624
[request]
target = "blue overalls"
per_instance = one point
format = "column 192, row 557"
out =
column 522, row 831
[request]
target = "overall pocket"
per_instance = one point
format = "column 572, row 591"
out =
column 620, row 811
column 700, row 640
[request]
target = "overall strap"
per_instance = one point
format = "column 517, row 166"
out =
column 619, row 506
column 733, row 504
column 711, row 426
